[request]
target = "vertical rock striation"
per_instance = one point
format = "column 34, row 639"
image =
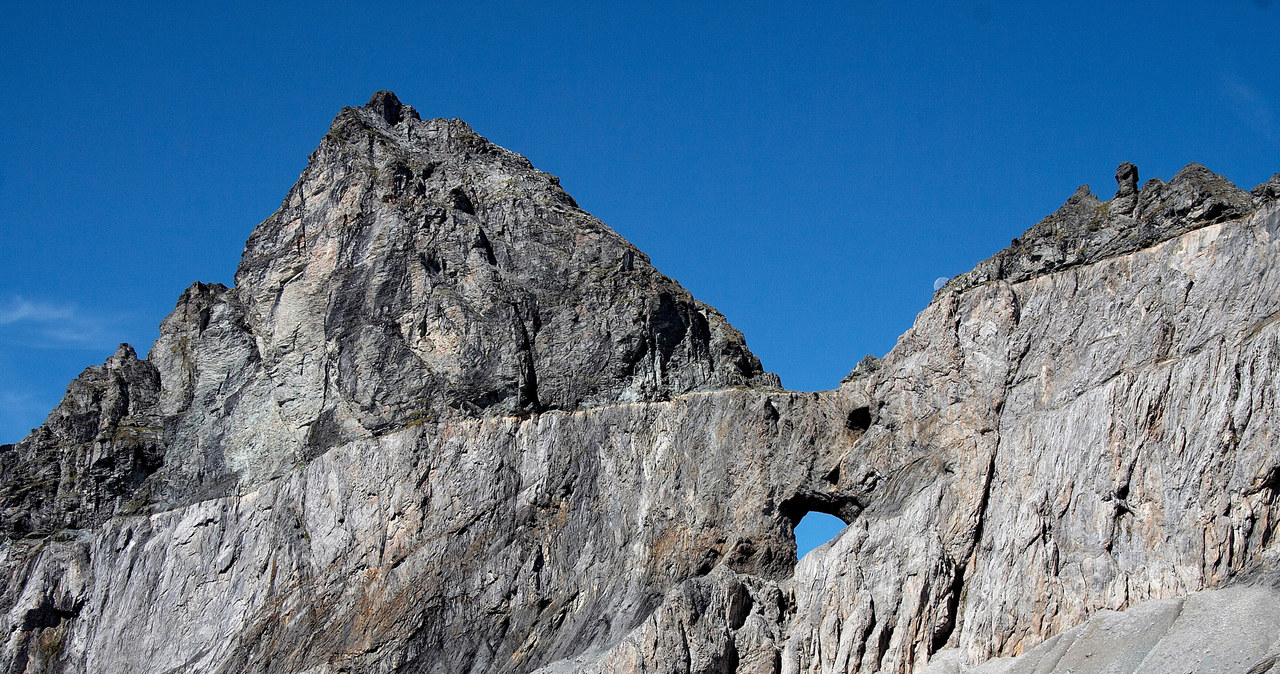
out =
column 446, row 421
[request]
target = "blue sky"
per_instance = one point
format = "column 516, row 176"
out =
column 809, row 172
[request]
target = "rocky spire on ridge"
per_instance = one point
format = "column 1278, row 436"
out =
column 1126, row 198
column 1086, row 230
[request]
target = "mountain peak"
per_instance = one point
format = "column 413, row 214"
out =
column 387, row 105
column 415, row 273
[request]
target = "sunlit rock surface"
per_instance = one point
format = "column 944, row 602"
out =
column 446, row 421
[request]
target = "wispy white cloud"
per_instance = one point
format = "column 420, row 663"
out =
column 36, row 335
column 1248, row 103
column 19, row 309
column 41, row 324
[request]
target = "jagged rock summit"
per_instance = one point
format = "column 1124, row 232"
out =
column 415, row 272
column 446, row 421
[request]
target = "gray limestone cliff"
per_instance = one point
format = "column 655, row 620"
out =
column 446, row 421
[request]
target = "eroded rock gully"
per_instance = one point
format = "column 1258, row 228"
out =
column 446, row 421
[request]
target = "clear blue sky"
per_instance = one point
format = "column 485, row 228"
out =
column 809, row 172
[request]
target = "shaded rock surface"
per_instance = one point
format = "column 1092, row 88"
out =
column 90, row 456
column 448, row 422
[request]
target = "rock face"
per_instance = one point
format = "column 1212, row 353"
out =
column 446, row 421
column 1208, row 631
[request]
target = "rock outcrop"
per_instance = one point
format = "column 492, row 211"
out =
column 1086, row 230
column 446, row 421
column 90, row 457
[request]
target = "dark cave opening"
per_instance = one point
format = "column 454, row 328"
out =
column 859, row 419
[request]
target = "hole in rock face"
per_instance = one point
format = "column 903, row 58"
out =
column 859, row 419
column 814, row 529
column 461, row 201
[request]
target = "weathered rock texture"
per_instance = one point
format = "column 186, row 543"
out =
column 1207, row 631
column 448, row 422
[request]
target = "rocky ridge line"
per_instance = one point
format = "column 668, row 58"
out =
column 446, row 421
column 1085, row 230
